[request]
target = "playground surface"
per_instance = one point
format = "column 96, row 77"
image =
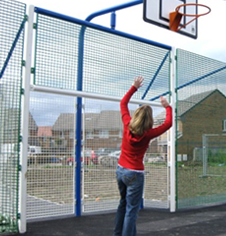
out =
column 209, row 221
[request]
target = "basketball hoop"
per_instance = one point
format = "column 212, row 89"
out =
column 175, row 17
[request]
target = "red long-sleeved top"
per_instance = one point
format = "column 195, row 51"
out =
column 134, row 146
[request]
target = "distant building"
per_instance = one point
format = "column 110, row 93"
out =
column 102, row 129
column 203, row 113
column 45, row 136
column 10, row 132
column 200, row 114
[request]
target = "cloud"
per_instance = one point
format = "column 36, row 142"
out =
column 46, row 108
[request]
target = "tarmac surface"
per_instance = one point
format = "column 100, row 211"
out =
column 209, row 221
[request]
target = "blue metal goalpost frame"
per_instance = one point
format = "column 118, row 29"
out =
column 111, row 10
column 85, row 24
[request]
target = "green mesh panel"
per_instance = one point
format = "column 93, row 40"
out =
column 201, row 112
column 11, row 17
column 110, row 61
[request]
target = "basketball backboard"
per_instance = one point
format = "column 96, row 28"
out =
column 157, row 12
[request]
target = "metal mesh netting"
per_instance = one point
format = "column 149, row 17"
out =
column 200, row 125
column 102, row 137
column 51, row 156
column 115, row 61
column 57, row 53
column 11, row 47
column 110, row 63
column 51, row 165
column 51, row 172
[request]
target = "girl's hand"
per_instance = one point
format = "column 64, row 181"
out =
column 164, row 102
column 138, row 82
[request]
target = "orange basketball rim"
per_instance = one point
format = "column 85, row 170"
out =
column 175, row 17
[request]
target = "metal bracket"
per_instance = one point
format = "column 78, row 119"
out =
column 32, row 70
column 34, row 25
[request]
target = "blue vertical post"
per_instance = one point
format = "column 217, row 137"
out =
column 79, row 123
column 79, row 99
column 113, row 20
column 155, row 75
column 77, row 157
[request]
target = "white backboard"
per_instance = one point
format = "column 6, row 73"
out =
column 157, row 12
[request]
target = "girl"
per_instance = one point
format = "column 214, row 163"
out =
column 137, row 133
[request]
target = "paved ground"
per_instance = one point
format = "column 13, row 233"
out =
column 200, row 222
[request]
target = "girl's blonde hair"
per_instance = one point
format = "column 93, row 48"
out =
column 142, row 120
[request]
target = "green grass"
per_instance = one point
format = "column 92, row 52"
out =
column 191, row 182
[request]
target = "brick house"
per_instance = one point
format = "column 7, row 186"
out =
column 45, row 136
column 63, row 132
column 198, row 115
column 102, row 130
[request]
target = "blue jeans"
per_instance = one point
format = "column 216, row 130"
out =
column 130, row 184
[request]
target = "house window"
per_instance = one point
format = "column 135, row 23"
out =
column 104, row 134
column 224, row 125
column 71, row 134
column 62, row 134
column 89, row 135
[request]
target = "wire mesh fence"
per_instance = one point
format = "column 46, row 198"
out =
column 110, row 61
column 11, row 44
column 51, row 172
column 74, row 55
column 200, row 130
column 102, row 138
column 109, row 64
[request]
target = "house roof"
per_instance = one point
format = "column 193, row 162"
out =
column 65, row 121
column 12, row 119
column 32, row 123
column 188, row 103
column 110, row 120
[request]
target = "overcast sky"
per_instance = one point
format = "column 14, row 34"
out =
column 211, row 39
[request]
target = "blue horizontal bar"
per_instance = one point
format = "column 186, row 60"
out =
column 202, row 77
column 99, row 27
column 115, row 8
column 163, row 94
